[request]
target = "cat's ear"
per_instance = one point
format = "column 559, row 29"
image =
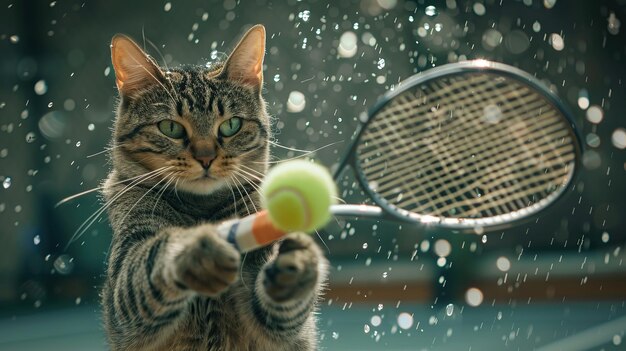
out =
column 134, row 69
column 245, row 64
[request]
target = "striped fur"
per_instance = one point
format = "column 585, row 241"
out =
column 172, row 283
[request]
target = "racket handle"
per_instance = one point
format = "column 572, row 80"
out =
column 250, row 232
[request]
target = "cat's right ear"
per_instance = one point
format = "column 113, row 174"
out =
column 134, row 69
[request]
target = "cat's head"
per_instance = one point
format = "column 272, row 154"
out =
column 195, row 127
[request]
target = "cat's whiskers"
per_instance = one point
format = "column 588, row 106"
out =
column 176, row 189
column 107, row 149
column 240, row 193
column 250, row 174
column 299, row 156
column 72, row 197
column 234, row 198
column 259, row 173
column 94, row 216
column 243, row 281
column 247, row 194
column 141, row 198
column 250, row 182
column 171, row 176
column 322, row 240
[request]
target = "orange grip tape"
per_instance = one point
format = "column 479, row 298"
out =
column 263, row 230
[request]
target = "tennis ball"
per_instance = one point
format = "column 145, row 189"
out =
column 297, row 196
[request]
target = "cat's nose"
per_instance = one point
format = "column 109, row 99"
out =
column 204, row 153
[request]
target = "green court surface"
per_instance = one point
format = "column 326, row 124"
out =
column 560, row 326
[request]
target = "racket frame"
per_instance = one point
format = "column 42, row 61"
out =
column 387, row 211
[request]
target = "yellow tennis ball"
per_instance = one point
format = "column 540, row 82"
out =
column 297, row 196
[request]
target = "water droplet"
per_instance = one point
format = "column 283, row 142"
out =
column 335, row 335
column 14, row 39
column 431, row 11
column 64, row 264
column 78, row 144
column 376, row 320
column 503, row 264
column 366, row 328
column 617, row 339
column 499, row 315
column 592, row 140
column 277, row 78
column 304, row 15
column 618, row 138
column 167, row 7
column 491, row 39
column 41, row 87
column 107, row 71
column 557, row 42
column 6, row 183
column 348, row 44
column 50, row 104
column 605, row 237
column 595, row 114
column 536, row 26
column 405, row 320
column 77, row 301
column 36, row 240
column 473, row 297
column 433, row 320
column 30, row 137
column 479, row 9
column 381, row 63
column 53, row 124
column 449, row 309
column 614, row 24
column 549, row 3
column 296, row 102
column 364, row 245
column 69, row 105
column 442, row 248
column 91, row 127
column 380, row 306
column 484, row 239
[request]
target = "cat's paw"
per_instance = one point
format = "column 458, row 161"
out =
column 294, row 272
column 205, row 262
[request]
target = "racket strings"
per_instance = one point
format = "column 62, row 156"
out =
column 452, row 142
column 450, row 162
column 474, row 146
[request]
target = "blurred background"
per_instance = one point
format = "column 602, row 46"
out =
column 556, row 282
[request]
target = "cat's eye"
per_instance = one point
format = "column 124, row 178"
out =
column 230, row 127
column 172, row 129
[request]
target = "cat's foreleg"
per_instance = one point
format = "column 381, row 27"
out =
column 289, row 285
column 152, row 279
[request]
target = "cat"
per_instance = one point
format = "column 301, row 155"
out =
column 190, row 146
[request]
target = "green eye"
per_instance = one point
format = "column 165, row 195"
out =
column 171, row 129
column 230, row 127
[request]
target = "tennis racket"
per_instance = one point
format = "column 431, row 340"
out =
column 463, row 146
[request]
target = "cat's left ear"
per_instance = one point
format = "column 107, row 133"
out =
column 245, row 64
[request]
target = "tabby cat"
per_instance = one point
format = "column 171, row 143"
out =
column 190, row 146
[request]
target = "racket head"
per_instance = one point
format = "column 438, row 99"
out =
column 562, row 148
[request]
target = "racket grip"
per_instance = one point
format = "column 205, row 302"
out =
column 250, row 232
